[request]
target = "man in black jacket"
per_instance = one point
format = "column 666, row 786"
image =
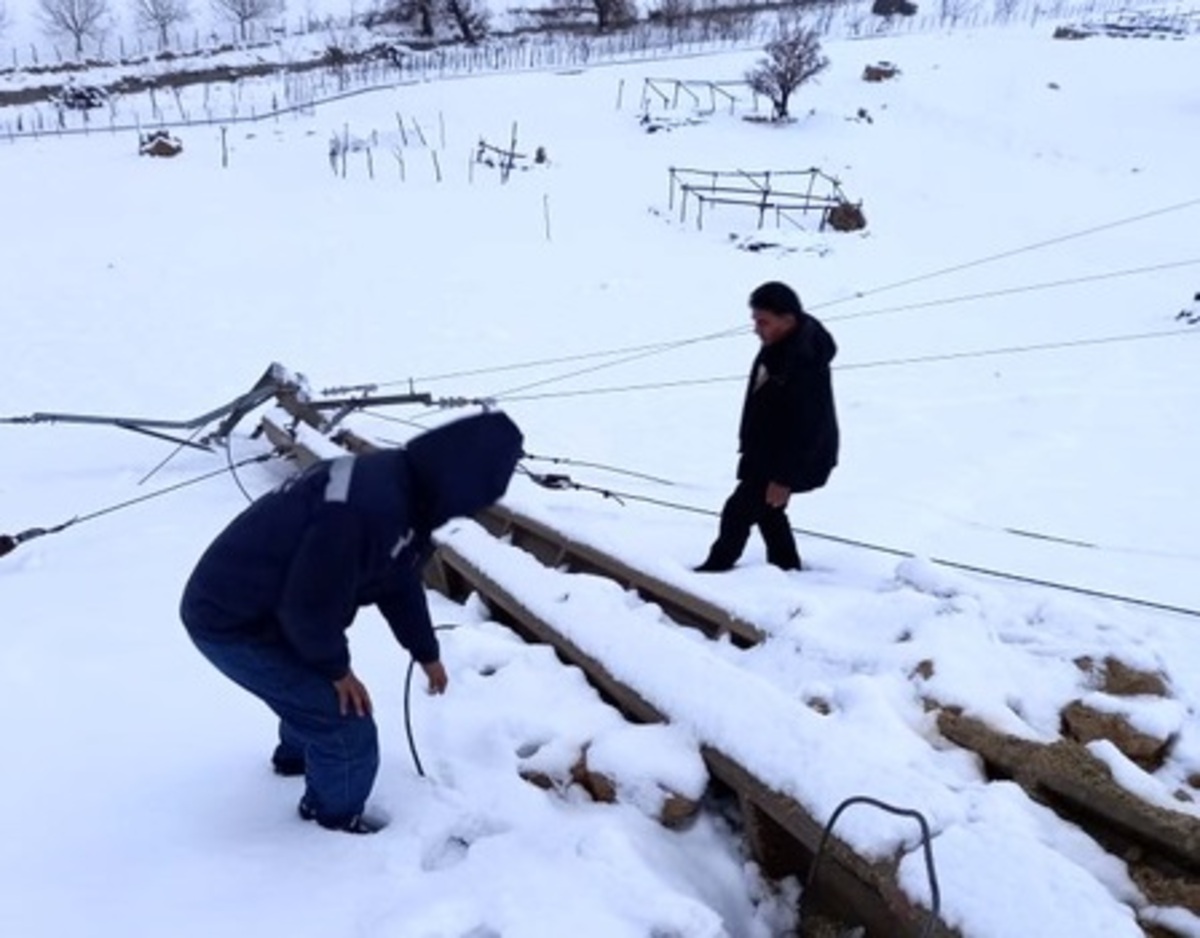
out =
column 270, row 601
column 789, row 430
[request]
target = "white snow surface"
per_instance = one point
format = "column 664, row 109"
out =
column 135, row 797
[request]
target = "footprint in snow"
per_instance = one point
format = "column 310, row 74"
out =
column 451, row 848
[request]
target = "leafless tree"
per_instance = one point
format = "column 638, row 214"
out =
column 245, row 12
column 471, row 17
column 78, row 19
column 673, row 13
column 793, row 58
column 160, row 16
column 954, row 10
column 1006, row 9
column 421, row 13
column 610, row 13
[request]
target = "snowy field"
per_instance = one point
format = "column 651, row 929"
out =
column 1047, row 433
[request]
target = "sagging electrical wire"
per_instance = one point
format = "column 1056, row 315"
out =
column 560, row 482
column 10, row 542
column 860, row 366
column 1026, row 288
column 233, row 468
column 514, row 393
column 408, row 728
column 858, row 295
column 935, row 896
column 604, row 467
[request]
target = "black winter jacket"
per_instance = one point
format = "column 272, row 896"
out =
column 789, row 430
column 298, row 563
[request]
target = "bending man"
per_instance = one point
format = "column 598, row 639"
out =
column 270, row 600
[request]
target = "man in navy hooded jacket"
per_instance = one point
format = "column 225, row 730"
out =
column 789, row 431
column 271, row 599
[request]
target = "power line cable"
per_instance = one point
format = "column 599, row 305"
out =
column 859, row 295
column 562, row 483
column 497, row 369
column 179, row 448
column 858, row 366
column 1014, row 252
column 935, row 895
column 9, row 543
column 408, row 727
column 233, row 469
column 1011, row 291
column 604, row 467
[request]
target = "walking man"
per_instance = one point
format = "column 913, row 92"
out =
column 270, row 600
column 789, row 430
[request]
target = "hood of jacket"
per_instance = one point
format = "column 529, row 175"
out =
column 812, row 342
column 462, row 467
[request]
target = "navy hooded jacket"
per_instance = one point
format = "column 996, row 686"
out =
column 355, row 531
column 789, row 430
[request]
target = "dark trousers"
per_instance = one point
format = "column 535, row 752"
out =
column 340, row 753
column 746, row 508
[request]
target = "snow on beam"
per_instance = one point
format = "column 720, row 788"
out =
column 855, row 888
column 680, row 606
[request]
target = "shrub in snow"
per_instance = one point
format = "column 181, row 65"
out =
column 792, row 59
column 80, row 97
column 893, row 8
column 881, row 71
column 159, row 143
column 846, row 217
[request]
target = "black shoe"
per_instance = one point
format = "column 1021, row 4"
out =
column 710, row 566
column 288, row 766
column 356, row 824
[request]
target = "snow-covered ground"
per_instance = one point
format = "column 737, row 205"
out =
column 135, row 795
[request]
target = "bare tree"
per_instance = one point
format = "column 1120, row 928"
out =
column 610, row 13
column 471, row 17
column 954, row 10
column 673, row 13
column 78, row 19
column 422, row 13
column 792, row 59
column 160, row 16
column 1006, row 9
column 245, row 12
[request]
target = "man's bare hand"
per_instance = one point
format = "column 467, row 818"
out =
column 438, row 679
column 778, row 495
column 352, row 694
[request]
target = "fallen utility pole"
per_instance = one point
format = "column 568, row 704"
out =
column 274, row 380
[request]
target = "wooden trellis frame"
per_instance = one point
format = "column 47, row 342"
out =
column 803, row 191
column 669, row 90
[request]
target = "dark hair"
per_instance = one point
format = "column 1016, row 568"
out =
column 778, row 298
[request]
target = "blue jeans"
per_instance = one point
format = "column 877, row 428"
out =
column 340, row 753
